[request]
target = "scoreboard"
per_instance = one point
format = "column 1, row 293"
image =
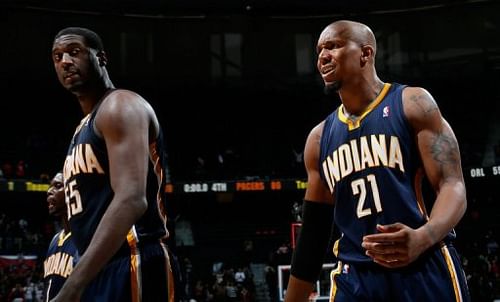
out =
column 22, row 185
column 244, row 185
column 237, row 186
column 484, row 172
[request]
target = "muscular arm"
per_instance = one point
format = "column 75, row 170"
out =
column 299, row 290
column 441, row 159
column 397, row 245
column 316, row 189
column 123, row 122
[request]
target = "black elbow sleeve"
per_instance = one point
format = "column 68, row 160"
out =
column 313, row 240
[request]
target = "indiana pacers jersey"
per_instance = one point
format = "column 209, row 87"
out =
column 141, row 268
column 371, row 166
column 62, row 256
column 89, row 193
column 373, row 169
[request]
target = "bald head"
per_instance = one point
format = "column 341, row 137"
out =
column 354, row 31
column 346, row 53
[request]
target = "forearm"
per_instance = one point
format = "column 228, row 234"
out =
column 298, row 290
column 447, row 211
column 109, row 236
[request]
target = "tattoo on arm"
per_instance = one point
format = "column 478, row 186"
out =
column 425, row 103
column 444, row 149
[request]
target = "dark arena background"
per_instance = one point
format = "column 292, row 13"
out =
column 235, row 86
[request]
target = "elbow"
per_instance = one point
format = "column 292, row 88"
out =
column 136, row 203
column 140, row 206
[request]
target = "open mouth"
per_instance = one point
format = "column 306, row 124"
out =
column 327, row 69
column 69, row 75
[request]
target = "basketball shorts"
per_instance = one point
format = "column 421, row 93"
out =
column 144, row 275
column 436, row 276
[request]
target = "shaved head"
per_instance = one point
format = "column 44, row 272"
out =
column 355, row 31
column 346, row 53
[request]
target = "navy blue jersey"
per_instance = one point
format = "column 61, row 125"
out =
column 89, row 193
column 373, row 169
column 62, row 256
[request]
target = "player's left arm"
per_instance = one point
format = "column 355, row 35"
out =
column 397, row 245
column 440, row 156
column 123, row 122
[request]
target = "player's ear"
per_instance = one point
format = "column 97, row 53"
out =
column 102, row 58
column 367, row 53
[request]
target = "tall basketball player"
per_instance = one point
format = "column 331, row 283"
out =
column 365, row 164
column 120, row 230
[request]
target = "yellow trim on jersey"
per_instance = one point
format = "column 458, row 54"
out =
column 135, row 266
column 444, row 249
column 453, row 272
column 62, row 238
column 333, row 289
column 170, row 274
column 336, row 246
column 355, row 124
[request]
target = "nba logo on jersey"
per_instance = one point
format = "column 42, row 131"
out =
column 386, row 111
column 345, row 269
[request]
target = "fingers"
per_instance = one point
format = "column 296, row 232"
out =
column 386, row 251
column 396, row 232
column 390, row 258
column 389, row 228
column 383, row 239
column 389, row 247
column 391, row 263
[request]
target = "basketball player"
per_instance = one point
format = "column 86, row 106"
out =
column 368, row 158
column 62, row 254
column 119, row 230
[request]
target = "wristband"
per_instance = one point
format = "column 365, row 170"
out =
column 313, row 239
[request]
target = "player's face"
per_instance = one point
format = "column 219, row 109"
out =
column 55, row 196
column 73, row 61
column 338, row 56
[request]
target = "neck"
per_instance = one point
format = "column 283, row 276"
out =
column 356, row 100
column 89, row 99
column 65, row 225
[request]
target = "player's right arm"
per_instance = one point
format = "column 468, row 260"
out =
column 316, row 190
column 317, row 199
column 124, row 121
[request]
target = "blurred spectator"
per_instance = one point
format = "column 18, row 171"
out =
column 16, row 294
column 239, row 276
column 30, row 292
column 297, row 212
column 272, row 282
column 21, row 169
column 8, row 169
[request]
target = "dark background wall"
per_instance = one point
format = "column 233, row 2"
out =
column 237, row 79
column 241, row 74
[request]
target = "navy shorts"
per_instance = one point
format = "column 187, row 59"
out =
column 436, row 276
column 145, row 275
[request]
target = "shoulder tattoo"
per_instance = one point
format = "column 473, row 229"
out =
column 424, row 102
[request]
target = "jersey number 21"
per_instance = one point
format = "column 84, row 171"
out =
column 359, row 187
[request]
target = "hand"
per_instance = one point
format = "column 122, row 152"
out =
column 397, row 245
